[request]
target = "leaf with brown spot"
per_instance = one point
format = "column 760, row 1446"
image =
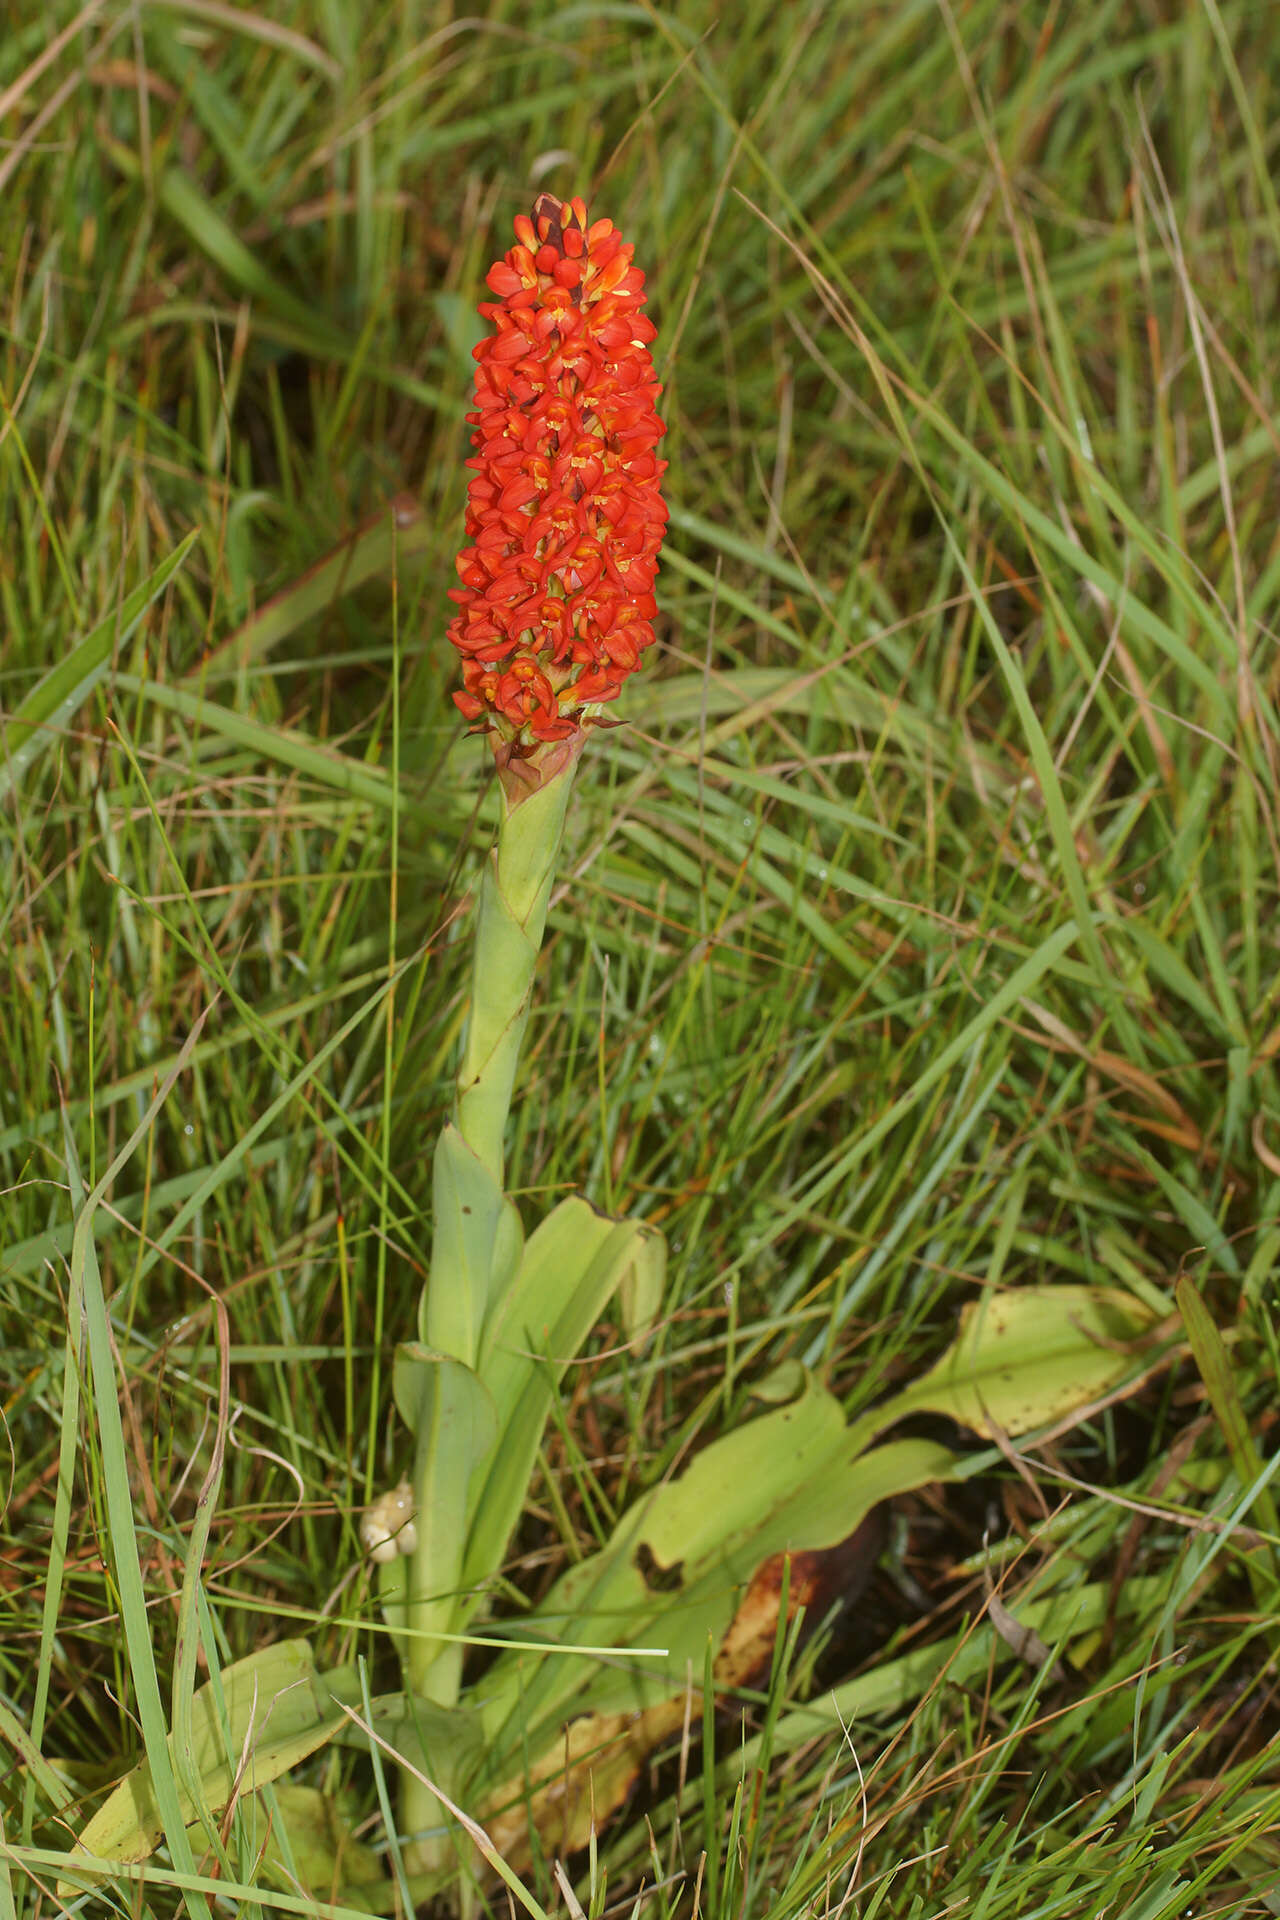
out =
column 702, row 1555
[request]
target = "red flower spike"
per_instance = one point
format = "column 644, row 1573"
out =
column 564, row 509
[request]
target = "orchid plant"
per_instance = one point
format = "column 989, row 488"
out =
column 554, row 612
column 555, row 609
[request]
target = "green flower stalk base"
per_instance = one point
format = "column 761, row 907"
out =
column 477, row 1247
column 514, row 895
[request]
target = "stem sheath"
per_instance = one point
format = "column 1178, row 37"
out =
column 514, row 895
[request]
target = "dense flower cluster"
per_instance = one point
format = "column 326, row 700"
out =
column 565, row 508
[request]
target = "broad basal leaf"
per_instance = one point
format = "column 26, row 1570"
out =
column 269, row 1711
column 797, row 1479
column 308, row 1830
column 1026, row 1356
column 669, row 1576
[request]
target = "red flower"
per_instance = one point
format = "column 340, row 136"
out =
column 565, row 508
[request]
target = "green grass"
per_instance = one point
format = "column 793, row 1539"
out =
column 918, row 932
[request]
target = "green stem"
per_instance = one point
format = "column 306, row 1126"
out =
column 514, row 895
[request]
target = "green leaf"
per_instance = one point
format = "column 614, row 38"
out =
column 469, row 1255
column 559, row 1253
column 415, row 1727
column 274, row 1710
column 455, row 1426
column 55, row 699
column 438, row 1395
column 643, row 1284
column 825, row 1508
column 734, row 1487
column 602, row 1603
column 642, row 1589
column 795, row 1479
column 310, row 1842
column 573, row 1265
column 1027, row 1356
column 837, row 1499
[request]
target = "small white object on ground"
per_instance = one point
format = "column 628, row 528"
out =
column 388, row 1526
